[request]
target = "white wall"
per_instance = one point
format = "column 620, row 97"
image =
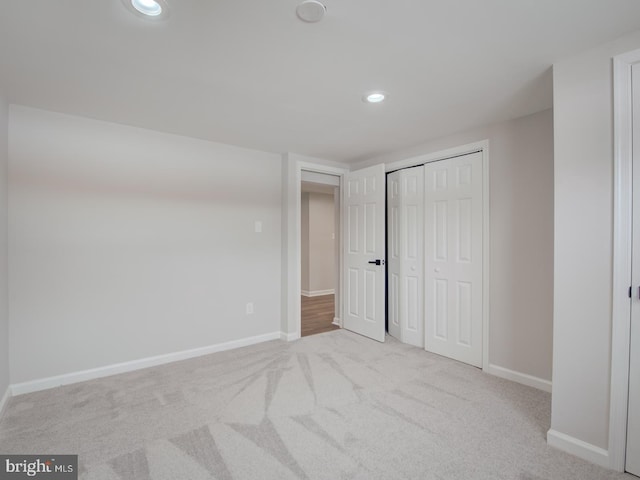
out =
column 127, row 243
column 521, row 266
column 322, row 275
column 304, row 241
column 583, row 93
column 318, row 245
column 4, row 310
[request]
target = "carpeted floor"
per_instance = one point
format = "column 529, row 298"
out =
column 330, row 406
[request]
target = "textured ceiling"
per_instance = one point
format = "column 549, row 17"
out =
column 249, row 73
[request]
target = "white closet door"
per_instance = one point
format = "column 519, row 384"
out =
column 412, row 255
column 453, row 263
column 633, row 421
column 393, row 254
column 405, row 216
column 364, row 249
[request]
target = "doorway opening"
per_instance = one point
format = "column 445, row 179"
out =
column 320, row 253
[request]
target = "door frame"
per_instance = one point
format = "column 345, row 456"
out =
column 293, row 165
column 622, row 238
column 483, row 147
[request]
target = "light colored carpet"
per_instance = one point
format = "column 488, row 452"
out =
column 330, row 406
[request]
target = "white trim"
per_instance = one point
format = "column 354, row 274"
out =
column 519, row 377
column 322, row 178
column 337, row 321
column 290, row 213
column 318, row 293
column 440, row 155
column 320, row 168
column 84, row 375
column 4, row 400
column 295, row 271
column 622, row 238
column 486, row 249
column 576, row 447
column 289, row 337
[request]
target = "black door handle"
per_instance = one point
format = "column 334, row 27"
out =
column 376, row 262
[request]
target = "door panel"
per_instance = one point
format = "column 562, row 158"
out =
column 453, row 264
column 633, row 419
column 463, row 311
column 405, row 205
column 371, row 213
column 413, row 236
column 352, row 294
column 353, row 221
column 439, row 307
column 440, row 230
column 412, row 255
column 414, row 304
column 465, row 237
column 365, row 206
column 370, row 296
column 394, row 313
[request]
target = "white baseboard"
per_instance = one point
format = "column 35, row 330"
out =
column 576, row 447
column 4, row 400
column 82, row 376
column 317, row 293
column 289, row 337
column 337, row 321
column 518, row 377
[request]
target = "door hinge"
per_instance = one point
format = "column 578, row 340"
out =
column 630, row 291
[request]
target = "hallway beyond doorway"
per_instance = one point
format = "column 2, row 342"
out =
column 317, row 315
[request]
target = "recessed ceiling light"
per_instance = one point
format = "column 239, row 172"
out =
column 374, row 97
column 150, row 9
column 311, row 11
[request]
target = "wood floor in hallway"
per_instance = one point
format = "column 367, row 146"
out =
column 317, row 315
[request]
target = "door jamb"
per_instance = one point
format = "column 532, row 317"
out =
column 294, row 274
column 481, row 146
column 622, row 237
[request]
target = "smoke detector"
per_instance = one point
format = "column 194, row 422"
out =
column 311, row 11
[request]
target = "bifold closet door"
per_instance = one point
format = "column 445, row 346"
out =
column 633, row 418
column 453, row 263
column 405, row 216
column 393, row 254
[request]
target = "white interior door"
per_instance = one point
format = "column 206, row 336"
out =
column 364, row 250
column 453, row 263
column 633, row 419
column 405, row 206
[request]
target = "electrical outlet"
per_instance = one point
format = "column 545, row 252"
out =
column 249, row 308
